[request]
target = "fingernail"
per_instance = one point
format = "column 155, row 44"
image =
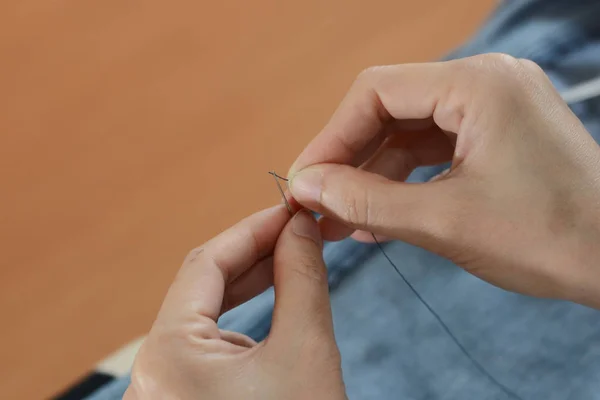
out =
column 305, row 225
column 305, row 185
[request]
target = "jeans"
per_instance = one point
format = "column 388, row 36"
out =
column 391, row 346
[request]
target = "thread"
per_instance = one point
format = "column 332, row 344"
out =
column 285, row 200
column 445, row 327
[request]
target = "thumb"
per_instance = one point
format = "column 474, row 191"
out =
column 302, row 311
column 417, row 213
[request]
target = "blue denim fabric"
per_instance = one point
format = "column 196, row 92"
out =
column 391, row 346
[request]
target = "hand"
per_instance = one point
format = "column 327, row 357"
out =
column 520, row 205
column 186, row 356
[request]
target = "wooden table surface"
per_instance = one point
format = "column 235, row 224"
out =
column 131, row 132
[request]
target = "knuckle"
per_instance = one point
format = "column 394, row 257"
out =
column 196, row 251
column 194, row 254
column 492, row 68
column 369, row 78
column 502, row 61
column 498, row 78
column 495, row 62
column 531, row 66
column 369, row 73
column 367, row 86
column 534, row 80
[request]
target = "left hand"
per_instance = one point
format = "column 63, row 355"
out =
column 186, row 355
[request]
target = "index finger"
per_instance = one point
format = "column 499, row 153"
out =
column 379, row 95
column 199, row 286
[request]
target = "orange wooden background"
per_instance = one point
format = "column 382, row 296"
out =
column 131, row 132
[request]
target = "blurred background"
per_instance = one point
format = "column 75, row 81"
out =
column 131, row 132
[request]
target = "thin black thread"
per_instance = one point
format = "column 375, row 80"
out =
column 481, row 369
column 287, row 204
column 278, row 176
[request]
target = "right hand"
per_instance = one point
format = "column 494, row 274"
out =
column 520, row 206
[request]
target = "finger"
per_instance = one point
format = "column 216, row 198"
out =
column 362, row 200
column 294, row 205
column 396, row 160
column 379, row 95
column 251, row 283
column 390, row 128
column 302, row 307
column 199, row 286
column 333, row 230
column 402, row 153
